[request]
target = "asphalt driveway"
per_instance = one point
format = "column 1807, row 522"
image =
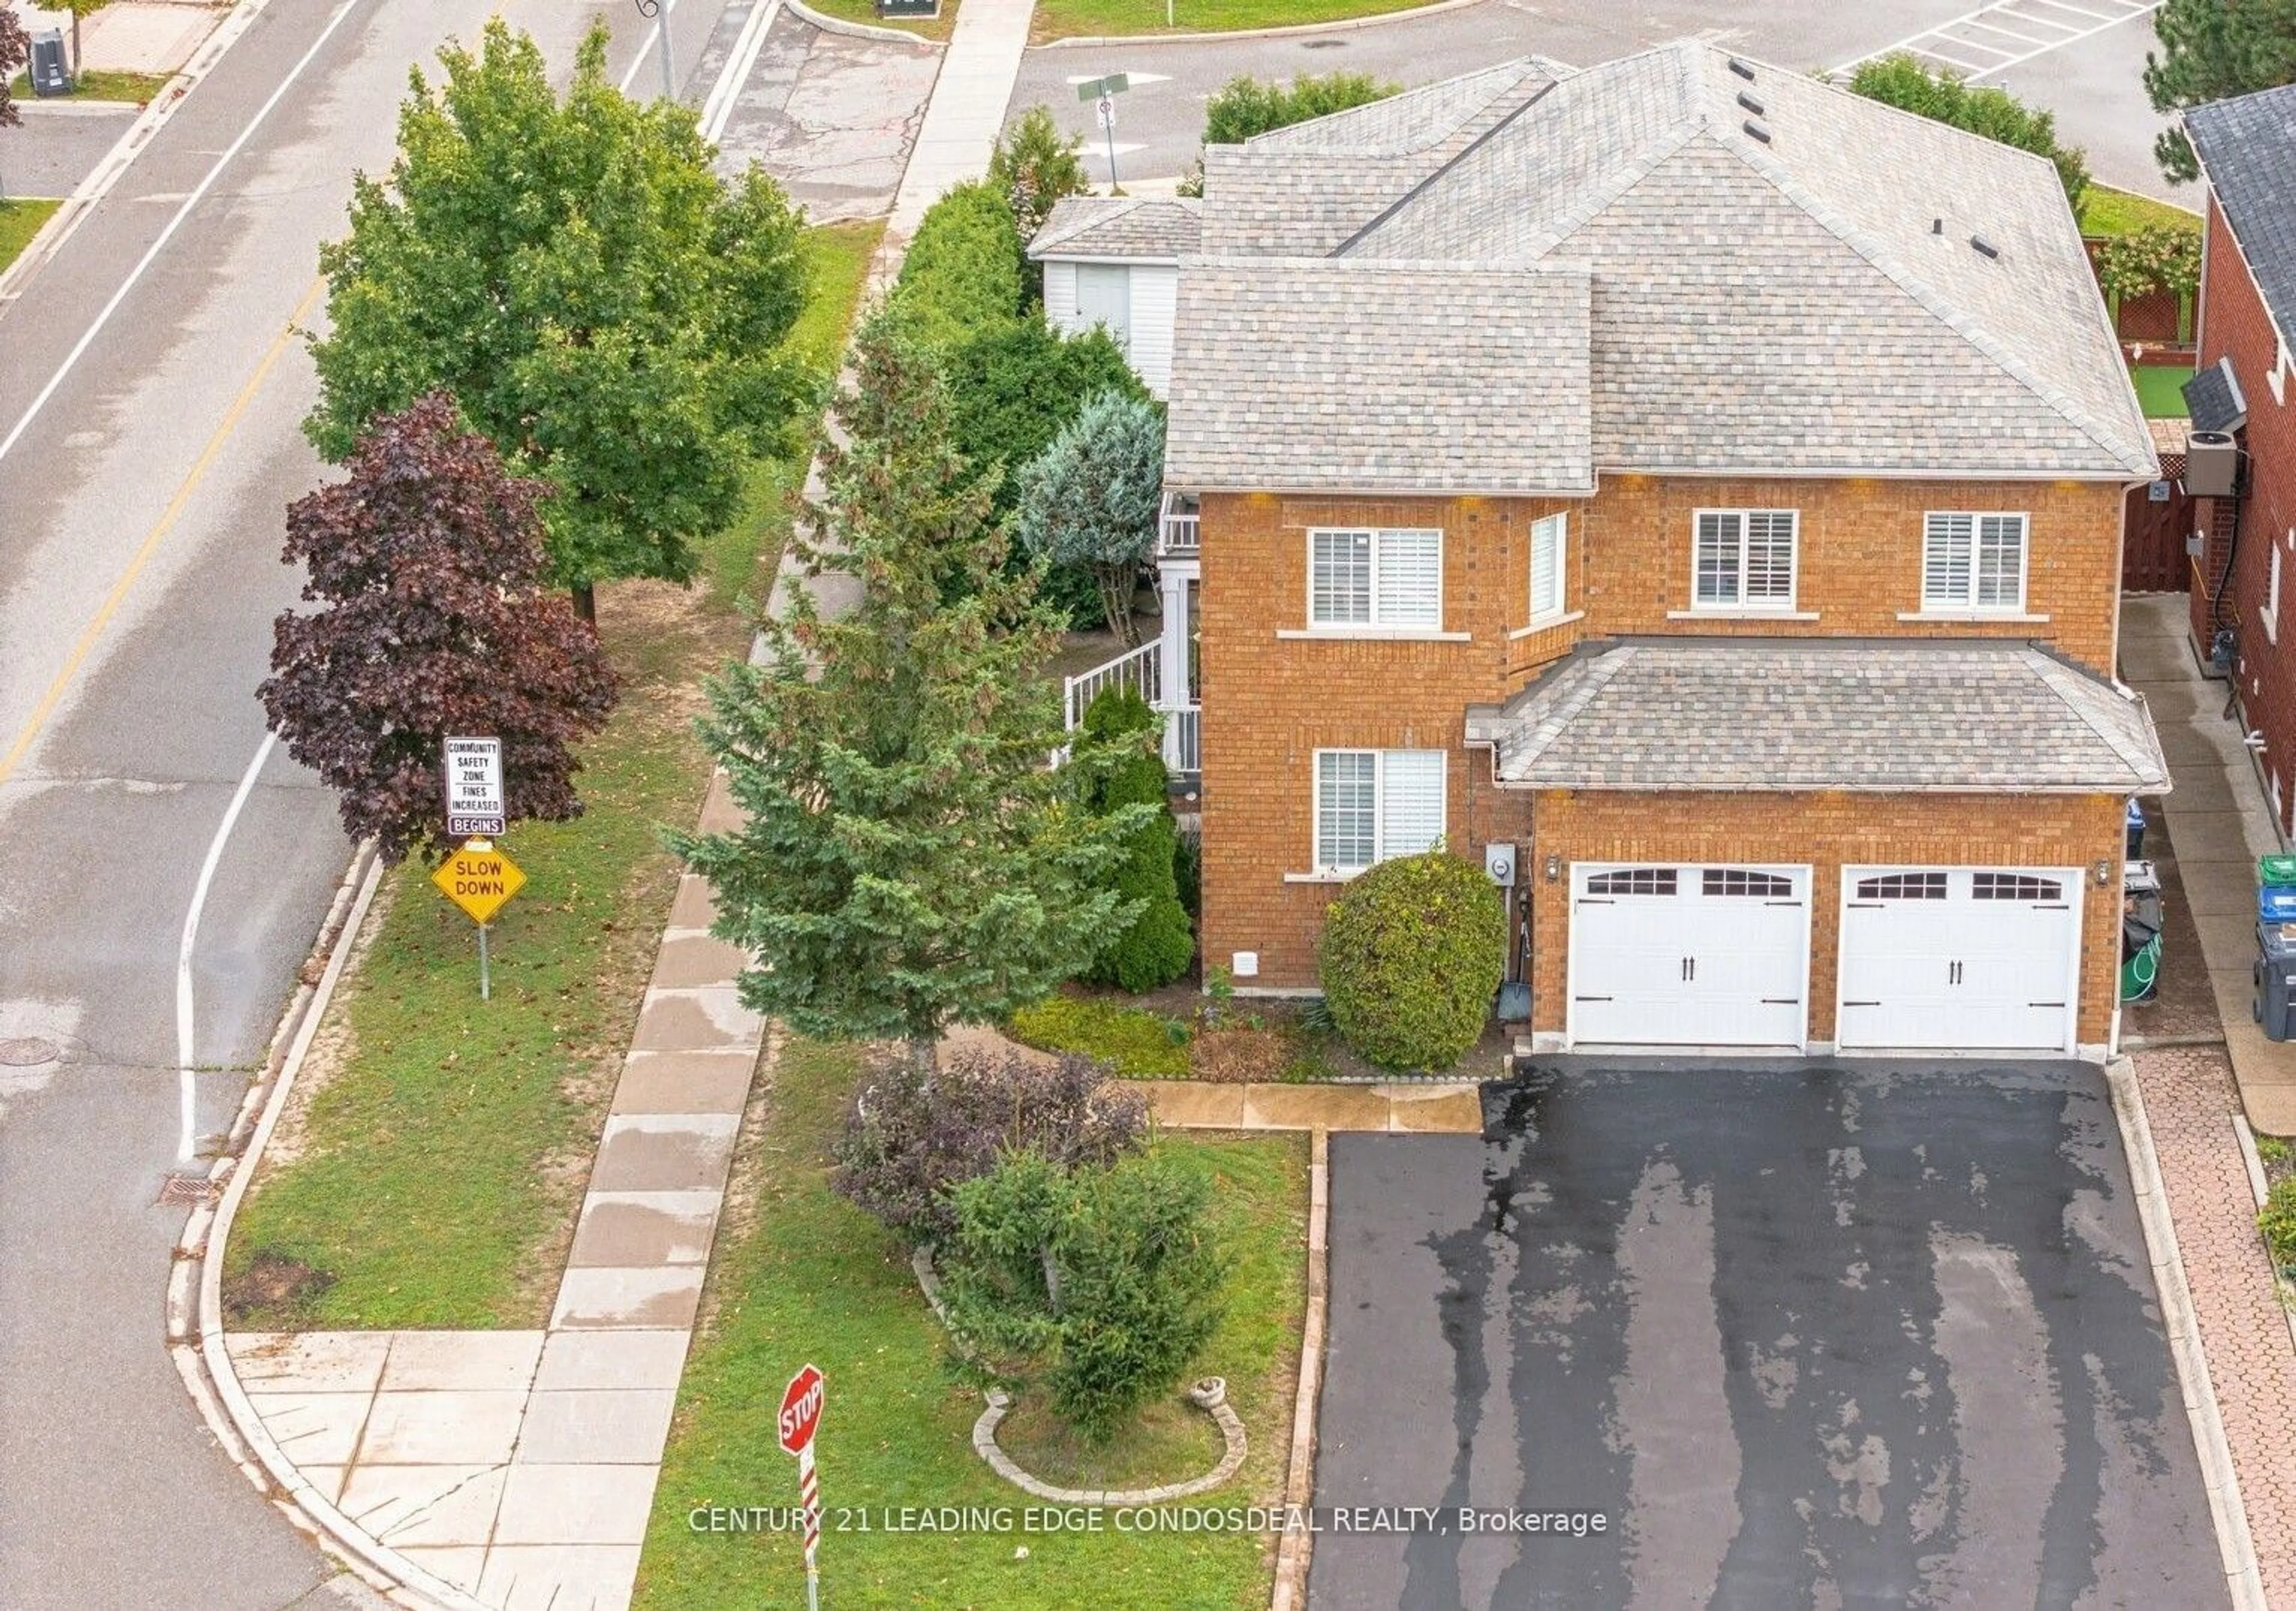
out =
column 1880, row 1335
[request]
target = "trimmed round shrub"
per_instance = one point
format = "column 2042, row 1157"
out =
column 1412, row 954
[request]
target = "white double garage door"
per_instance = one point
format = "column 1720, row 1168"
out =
column 1979, row 959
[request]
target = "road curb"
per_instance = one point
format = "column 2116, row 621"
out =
column 1294, row 1547
column 1344, row 25
column 58, row 229
column 195, row 1330
column 2218, row 1475
column 856, row 30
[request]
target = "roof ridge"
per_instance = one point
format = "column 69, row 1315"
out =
column 1447, row 164
column 1925, row 296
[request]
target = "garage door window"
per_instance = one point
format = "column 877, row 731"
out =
column 1374, row 804
column 2015, row 886
column 1633, row 880
column 1737, row 880
column 1902, row 886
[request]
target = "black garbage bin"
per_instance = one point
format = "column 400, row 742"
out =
column 49, row 74
column 2275, row 980
column 2141, row 923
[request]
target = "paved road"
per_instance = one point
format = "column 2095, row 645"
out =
column 2092, row 87
column 1868, row 1337
column 140, row 523
column 58, row 144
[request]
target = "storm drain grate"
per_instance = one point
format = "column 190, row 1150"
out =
column 185, row 1189
column 27, row 1052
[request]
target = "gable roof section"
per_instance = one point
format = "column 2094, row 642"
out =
column 1773, row 714
column 1148, row 229
column 1311, row 373
column 2247, row 147
column 1809, row 301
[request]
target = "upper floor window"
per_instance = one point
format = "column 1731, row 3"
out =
column 1104, row 297
column 1374, row 803
column 1375, row 578
column 1974, row 562
column 1744, row 558
column 1549, row 545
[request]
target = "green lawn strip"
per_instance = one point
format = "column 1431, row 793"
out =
column 1069, row 19
column 21, row 219
column 814, row 1279
column 1140, row 1044
column 2160, row 389
column 100, row 84
column 2109, row 212
column 865, row 10
column 433, row 1177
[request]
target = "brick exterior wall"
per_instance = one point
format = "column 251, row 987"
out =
column 1271, row 701
column 2233, row 324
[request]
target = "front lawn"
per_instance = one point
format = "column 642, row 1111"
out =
column 1071, row 19
column 429, row 1171
column 801, row 1276
column 100, row 84
column 21, row 219
column 865, row 10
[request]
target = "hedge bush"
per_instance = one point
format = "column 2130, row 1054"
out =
column 1160, row 944
column 1138, row 1043
column 2277, row 1220
column 1411, row 952
column 962, row 273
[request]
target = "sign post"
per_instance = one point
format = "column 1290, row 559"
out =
column 799, row 1419
column 479, row 879
column 1104, row 91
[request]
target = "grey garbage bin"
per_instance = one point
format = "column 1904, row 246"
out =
column 46, row 69
column 2274, row 1005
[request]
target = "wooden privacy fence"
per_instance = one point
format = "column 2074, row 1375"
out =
column 2153, row 545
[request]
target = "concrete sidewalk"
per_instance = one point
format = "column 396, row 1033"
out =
column 2218, row 815
column 966, row 112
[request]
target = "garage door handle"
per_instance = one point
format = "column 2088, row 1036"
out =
column 1789, row 1001
column 1595, row 900
column 1781, row 903
column 1594, row 998
column 1861, row 1003
column 2045, row 1004
column 1864, row 905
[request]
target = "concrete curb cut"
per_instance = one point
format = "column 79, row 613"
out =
column 856, row 30
column 2242, row 1579
column 1294, row 1548
column 195, row 1331
column 1344, row 25
column 58, row 229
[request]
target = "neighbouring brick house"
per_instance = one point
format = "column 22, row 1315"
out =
column 2246, row 388
column 1707, row 484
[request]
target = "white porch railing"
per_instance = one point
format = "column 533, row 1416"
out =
column 1178, row 535
column 1138, row 669
column 1183, row 739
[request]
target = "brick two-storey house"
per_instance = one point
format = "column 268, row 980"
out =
column 1707, row 484
column 2246, row 388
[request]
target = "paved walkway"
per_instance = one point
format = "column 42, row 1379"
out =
column 967, row 110
column 1389, row 1109
column 2218, row 816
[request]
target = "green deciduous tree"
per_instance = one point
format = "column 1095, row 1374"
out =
column 1102, row 1284
column 1901, row 81
column 961, row 274
column 1091, row 499
column 79, row 9
column 2151, row 260
column 1158, row 946
column 909, row 861
column 1245, row 106
column 1034, row 166
column 605, row 309
column 437, row 619
column 2211, row 49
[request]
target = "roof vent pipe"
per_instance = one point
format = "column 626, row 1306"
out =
column 1985, row 248
column 1742, row 70
column 1750, row 103
column 1758, row 131
column 1937, row 226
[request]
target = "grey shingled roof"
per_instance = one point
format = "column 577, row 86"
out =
column 2212, row 397
column 1141, row 228
column 2247, row 147
column 1767, row 713
column 1811, row 302
column 1308, row 373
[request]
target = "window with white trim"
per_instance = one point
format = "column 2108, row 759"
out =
column 1375, row 577
column 1974, row 562
column 1550, row 543
column 1744, row 558
column 1374, row 804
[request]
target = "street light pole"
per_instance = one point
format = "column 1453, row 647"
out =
column 664, row 9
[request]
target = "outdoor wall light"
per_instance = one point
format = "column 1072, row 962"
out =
column 2104, row 874
column 1553, row 868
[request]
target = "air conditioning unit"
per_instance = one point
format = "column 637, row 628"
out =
column 2212, row 465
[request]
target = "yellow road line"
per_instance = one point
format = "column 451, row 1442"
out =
column 83, row 645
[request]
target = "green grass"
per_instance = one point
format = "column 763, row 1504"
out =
column 1140, row 1044
column 2108, row 212
column 433, row 1177
column 814, row 1279
column 2158, row 389
column 865, row 10
column 1068, row 19
column 99, row 83
column 19, row 220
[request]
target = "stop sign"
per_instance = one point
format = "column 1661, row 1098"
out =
column 801, row 1411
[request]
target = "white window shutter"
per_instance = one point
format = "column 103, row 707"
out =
column 1409, row 579
column 1770, row 556
column 1411, row 801
column 2000, row 562
column 1547, row 537
column 1716, row 559
column 1947, row 541
column 1339, row 583
column 1347, row 813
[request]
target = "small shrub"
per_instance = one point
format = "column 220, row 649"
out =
column 2273, row 1150
column 2278, row 1219
column 1102, row 1284
column 1138, row 1044
column 1411, row 955
column 1159, row 943
column 961, row 274
column 1034, row 165
column 907, row 1145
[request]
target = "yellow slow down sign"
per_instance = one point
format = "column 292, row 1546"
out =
column 478, row 878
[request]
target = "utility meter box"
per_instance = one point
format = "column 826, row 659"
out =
column 1498, row 861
